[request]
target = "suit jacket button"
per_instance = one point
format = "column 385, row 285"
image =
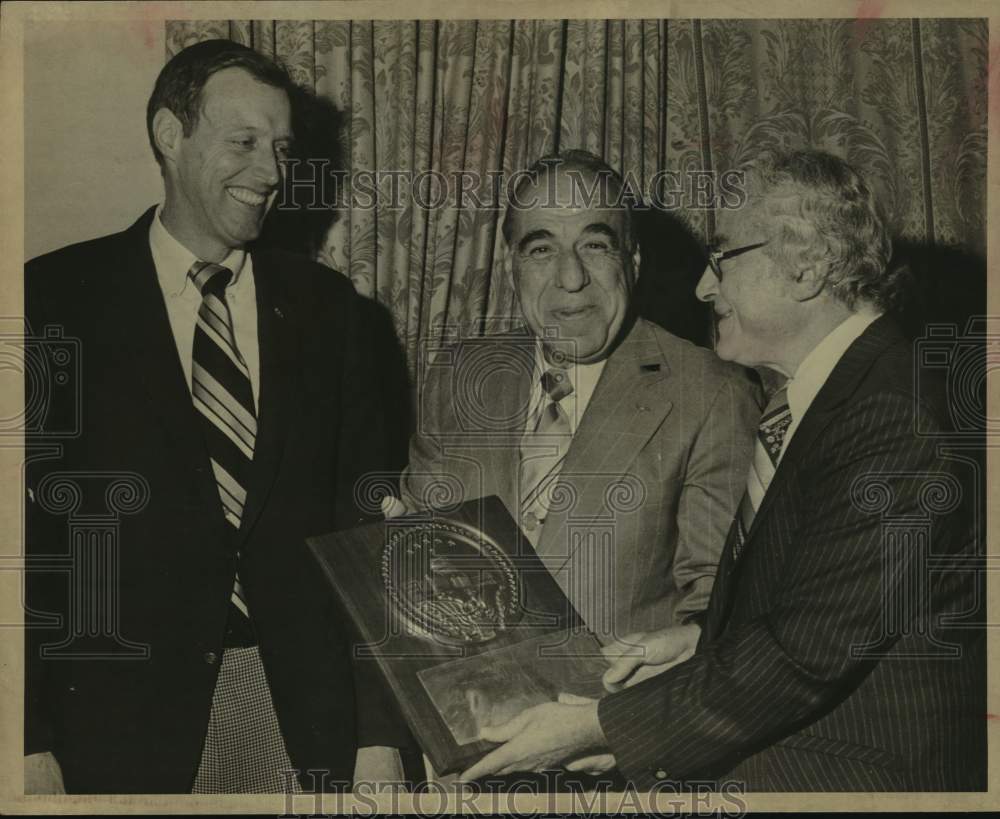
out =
column 211, row 657
column 660, row 774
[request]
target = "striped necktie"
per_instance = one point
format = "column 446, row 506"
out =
column 771, row 431
column 544, row 449
column 223, row 396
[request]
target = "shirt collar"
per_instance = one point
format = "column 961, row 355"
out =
column 541, row 365
column 816, row 367
column 173, row 260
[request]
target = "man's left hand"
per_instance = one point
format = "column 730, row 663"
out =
column 542, row 738
column 638, row 657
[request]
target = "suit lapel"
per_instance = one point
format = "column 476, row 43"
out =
column 148, row 342
column 839, row 387
column 279, row 352
column 631, row 401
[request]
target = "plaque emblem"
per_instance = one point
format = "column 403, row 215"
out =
column 450, row 582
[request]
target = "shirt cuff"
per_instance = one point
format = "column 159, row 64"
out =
column 632, row 737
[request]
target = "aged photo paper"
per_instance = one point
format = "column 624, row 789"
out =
column 402, row 142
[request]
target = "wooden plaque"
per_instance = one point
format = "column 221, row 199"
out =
column 465, row 622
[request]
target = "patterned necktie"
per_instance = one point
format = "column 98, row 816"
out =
column 543, row 449
column 223, row 396
column 771, row 431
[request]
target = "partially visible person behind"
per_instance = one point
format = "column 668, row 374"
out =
column 833, row 656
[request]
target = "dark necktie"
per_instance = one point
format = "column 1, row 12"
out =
column 771, row 431
column 223, row 396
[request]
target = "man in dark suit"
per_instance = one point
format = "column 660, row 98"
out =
column 840, row 650
column 227, row 388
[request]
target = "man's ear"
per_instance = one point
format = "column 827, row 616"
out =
column 808, row 282
column 167, row 132
column 636, row 261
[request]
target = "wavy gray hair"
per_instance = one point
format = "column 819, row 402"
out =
column 822, row 210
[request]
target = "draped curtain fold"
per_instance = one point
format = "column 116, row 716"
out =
column 904, row 100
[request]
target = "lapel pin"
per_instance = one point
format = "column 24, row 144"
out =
column 642, row 408
column 278, row 313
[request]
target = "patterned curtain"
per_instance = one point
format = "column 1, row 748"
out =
column 905, row 100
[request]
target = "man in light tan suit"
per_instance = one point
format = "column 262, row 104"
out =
column 621, row 449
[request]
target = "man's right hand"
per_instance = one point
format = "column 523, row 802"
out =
column 42, row 774
column 643, row 655
column 393, row 507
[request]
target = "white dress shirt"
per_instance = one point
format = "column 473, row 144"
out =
column 173, row 261
column 816, row 367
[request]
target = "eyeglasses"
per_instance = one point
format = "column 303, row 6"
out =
column 716, row 257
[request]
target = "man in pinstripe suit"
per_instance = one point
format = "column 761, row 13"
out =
column 832, row 657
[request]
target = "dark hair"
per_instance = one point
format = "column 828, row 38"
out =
column 181, row 82
column 584, row 162
column 823, row 210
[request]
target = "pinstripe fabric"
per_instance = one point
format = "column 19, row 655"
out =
column 649, row 485
column 778, row 695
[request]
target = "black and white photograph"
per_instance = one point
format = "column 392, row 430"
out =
column 695, row 301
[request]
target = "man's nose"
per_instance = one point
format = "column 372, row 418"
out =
column 572, row 274
column 267, row 168
column 708, row 285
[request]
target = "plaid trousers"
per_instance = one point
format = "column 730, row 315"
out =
column 244, row 751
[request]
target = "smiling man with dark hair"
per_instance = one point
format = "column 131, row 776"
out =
column 233, row 382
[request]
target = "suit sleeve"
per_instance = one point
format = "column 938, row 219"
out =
column 362, row 446
column 713, row 484
column 759, row 681
column 41, row 538
column 362, row 450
